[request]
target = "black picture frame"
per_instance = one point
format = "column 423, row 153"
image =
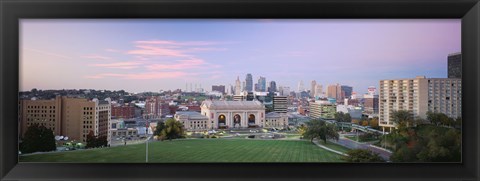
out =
column 13, row 10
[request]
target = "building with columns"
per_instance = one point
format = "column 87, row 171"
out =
column 233, row 114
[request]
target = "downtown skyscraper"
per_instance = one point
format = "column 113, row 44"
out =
column 249, row 83
column 455, row 65
column 237, row 86
column 312, row 89
column 262, row 84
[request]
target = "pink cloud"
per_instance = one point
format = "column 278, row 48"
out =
column 112, row 50
column 141, row 76
column 97, row 57
column 205, row 49
column 119, row 65
column 147, row 50
column 168, row 42
column 181, row 64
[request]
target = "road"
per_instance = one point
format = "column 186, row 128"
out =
column 357, row 145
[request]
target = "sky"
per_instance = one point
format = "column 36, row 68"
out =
column 166, row 54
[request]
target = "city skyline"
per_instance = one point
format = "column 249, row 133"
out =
column 153, row 55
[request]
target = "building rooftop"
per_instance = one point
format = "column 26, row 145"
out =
column 190, row 114
column 244, row 105
column 274, row 115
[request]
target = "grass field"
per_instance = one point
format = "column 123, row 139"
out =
column 334, row 146
column 198, row 150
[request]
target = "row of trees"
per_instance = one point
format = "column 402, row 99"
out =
column 96, row 141
column 37, row 138
column 414, row 140
column 404, row 119
column 372, row 122
column 342, row 117
column 170, row 129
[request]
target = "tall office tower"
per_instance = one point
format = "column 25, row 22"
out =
column 347, row 91
column 318, row 91
column 249, row 83
column 418, row 96
column 312, row 89
column 455, row 65
column 262, row 84
column 334, row 91
column 301, row 87
column 237, row 86
column 272, row 87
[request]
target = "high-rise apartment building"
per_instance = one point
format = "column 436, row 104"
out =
column 418, row 96
column 71, row 117
column 249, row 83
column 455, row 65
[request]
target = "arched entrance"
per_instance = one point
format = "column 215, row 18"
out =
column 251, row 120
column 222, row 121
column 236, row 121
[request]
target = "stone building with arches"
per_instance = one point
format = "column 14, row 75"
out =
column 233, row 114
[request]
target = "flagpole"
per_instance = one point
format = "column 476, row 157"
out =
column 146, row 150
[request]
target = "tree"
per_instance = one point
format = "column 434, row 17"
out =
column 441, row 119
column 373, row 122
column 320, row 129
column 301, row 129
column 347, row 118
column 403, row 119
column 173, row 130
column 428, row 143
column 339, row 116
column 159, row 128
column 38, row 138
column 342, row 117
column 361, row 155
column 96, row 141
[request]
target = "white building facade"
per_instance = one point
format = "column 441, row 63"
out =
column 233, row 114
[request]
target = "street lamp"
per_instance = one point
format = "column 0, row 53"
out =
column 146, row 142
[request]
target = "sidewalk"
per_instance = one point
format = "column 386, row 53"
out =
column 328, row 149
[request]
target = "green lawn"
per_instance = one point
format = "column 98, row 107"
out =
column 198, row 150
column 334, row 146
